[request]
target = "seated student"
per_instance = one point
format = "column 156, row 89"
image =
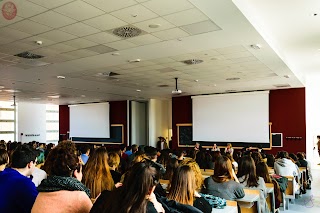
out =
column 197, row 172
column 63, row 191
column 221, row 183
column 38, row 174
column 294, row 159
column 4, row 159
column 229, row 149
column 215, row 148
column 248, row 178
column 17, row 192
column 135, row 195
column 183, row 189
column 256, row 156
column 270, row 160
column 234, row 163
column 151, row 153
column 171, row 167
column 114, row 161
column 85, row 152
column 96, row 175
column 304, row 163
column 285, row 167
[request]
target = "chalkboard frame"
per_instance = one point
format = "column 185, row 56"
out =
column 107, row 142
column 178, row 134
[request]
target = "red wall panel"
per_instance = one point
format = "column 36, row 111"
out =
column 286, row 112
column 64, row 121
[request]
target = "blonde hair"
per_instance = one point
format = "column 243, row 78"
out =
column 97, row 175
column 196, row 169
column 114, row 159
column 183, row 185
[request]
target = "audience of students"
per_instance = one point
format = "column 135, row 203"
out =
column 60, row 188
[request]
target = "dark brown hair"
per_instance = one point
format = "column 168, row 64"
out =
column 262, row 171
column 222, row 170
column 62, row 160
column 131, row 197
column 4, row 157
column 247, row 170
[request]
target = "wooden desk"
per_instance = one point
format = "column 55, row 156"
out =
column 229, row 209
column 247, row 200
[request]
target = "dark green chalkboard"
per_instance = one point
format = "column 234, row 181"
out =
column 184, row 135
column 116, row 136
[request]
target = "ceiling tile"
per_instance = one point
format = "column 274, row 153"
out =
column 51, row 4
column 5, row 22
column 15, row 48
column 13, row 34
column 163, row 60
column 79, row 10
column 102, row 38
column 57, row 35
column 164, row 24
column 201, row 27
column 144, row 39
column 165, row 7
column 186, row 17
column 122, row 45
column 53, row 19
column 105, row 22
column 32, row 41
column 134, row 14
column 54, row 49
column 81, row 53
column 171, row 34
column 30, row 27
column 238, row 55
column 101, row 49
column 231, row 49
column 109, row 6
column 79, row 29
column 80, row 43
column 29, row 9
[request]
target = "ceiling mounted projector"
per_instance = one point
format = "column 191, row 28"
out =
column 176, row 91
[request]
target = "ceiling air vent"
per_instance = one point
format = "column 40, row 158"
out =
column 127, row 31
column 28, row 55
column 193, row 61
column 107, row 74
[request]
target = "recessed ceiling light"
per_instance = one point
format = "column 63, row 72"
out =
column 35, row 98
column 61, row 77
column 286, row 76
column 39, row 42
column 135, row 60
column 196, row 80
column 11, row 90
column 256, row 46
column 53, row 96
column 138, row 90
column 155, row 25
column 83, row 96
column 134, row 15
column 115, row 54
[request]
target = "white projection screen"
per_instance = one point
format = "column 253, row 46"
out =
column 238, row 117
column 90, row 120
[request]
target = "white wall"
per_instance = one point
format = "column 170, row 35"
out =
column 31, row 120
column 312, row 116
column 159, row 120
column 138, row 123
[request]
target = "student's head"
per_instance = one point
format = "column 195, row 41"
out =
column 24, row 157
column 170, row 168
column 247, row 170
column 138, row 185
column 128, row 148
column 262, row 171
column 151, row 152
column 123, row 148
column 114, row 160
column 183, row 185
column 97, row 176
column 270, row 160
column 256, row 156
column 300, row 156
column 63, row 161
column 4, row 157
column 293, row 157
column 214, row 145
column 222, row 169
column 85, row 149
column 283, row 154
column 135, row 148
column 196, row 169
column 197, row 145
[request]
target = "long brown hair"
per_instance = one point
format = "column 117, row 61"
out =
column 183, row 185
column 196, row 169
column 262, row 171
column 222, row 170
column 132, row 196
column 247, row 169
column 96, row 175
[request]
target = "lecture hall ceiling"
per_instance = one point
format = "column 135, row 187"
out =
column 81, row 44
